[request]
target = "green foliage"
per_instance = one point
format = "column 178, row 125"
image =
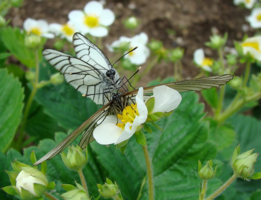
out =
column 11, row 104
column 211, row 97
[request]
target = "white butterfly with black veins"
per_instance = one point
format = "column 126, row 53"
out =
column 91, row 72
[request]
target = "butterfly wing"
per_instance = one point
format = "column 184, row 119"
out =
column 191, row 85
column 88, row 125
column 87, row 51
column 82, row 76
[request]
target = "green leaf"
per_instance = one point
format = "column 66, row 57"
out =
column 256, row 176
column 140, row 138
column 62, row 102
column 256, row 195
column 11, row 104
column 15, row 70
column 4, row 55
column 211, row 96
column 221, row 135
column 174, row 154
column 13, row 39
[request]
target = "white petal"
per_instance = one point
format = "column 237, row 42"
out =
column 127, row 133
column 107, row 17
column 166, row 99
column 99, row 32
column 55, row 28
column 139, row 56
column 140, row 39
column 252, row 52
column 249, row 4
column 207, row 68
column 76, row 16
column 29, row 23
column 93, row 8
column 48, row 35
column 107, row 133
column 43, row 25
column 199, row 56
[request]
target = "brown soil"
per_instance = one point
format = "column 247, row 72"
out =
column 193, row 22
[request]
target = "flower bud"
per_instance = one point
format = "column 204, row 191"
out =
column 74, row 193
column 216, row 41
column 75, row 158
column 207, row 171
column 59, row 44
column 131, row 23
column 176, row 54
column 32, row 41
column 57, row 79
column 236, row 82
column 30, row 76
column 155, row 45
column 231, row 59
column 31, row 183
column 243, row 164
column 108, row 190
column 2, row 21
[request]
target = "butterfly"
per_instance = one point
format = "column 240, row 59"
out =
column 120, row 100
column 90, row 72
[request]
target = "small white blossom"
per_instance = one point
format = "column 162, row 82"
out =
column 139, row 55
column 253, row 46
column 65, row 31
column 202, row 61
column 93, row 19
column 255, row 18
column 248, row 3
column 37, row 27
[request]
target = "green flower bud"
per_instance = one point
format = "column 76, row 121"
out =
column 75, row 158
column 33, row 41
column 57, row 79
column 236, row 82
column 176, row 54
column 207, row 172
column 131, row 23
column 30, row 76
column 216, row 41
column 231, row 59
column 59, row 44
column 31, row 183
column 243, row 164
column 155, row 45
column 74, row 193
column 2, row 21
column 108, row 190
column 17, row 3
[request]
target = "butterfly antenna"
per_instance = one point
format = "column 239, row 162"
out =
column 124, row 55
column 135, row 73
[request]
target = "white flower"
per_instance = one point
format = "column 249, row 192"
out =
column 118, row 129
column 27, row 178
column 93, row 19
column 248, row 3
column 166, row 99
column 110, row 131
column 65, row 31
column 37, row 27
column 255, row 18
column 253, row 46
column 201, row 61
column 139, row 55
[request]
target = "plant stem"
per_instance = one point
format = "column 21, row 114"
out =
column 220, row 102
column 237, row 106
column 220, row 54
column 141, row 187
column 149, row 172
column 49, row 196
column 222, row 188
column 84, row 185
column 247, row 72
column 29, row 103
column 203, row 190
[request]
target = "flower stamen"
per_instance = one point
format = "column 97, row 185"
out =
column 128, row 115
column 67, row 30
column 91, row 21
column 251, row 44
column 36, row 31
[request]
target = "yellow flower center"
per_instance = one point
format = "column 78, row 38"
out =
column 91, row 21
column 258, row 17
column 247, row 1
column 207, row 62
column 67, row 30
column 251, row 44
column 36, row 31
column 131, row 53
column 128, row 115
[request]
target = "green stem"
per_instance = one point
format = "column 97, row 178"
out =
column 203, row 190
column 49, row 196
column 180, row 70
column 175, row 71
column 141, row 187
column 222, row 188
column 220, row 54
column 220, row 102
column 149, row 172
column 147, row 69
column 247, row 72
column 29, row 103
column 237, row 106
column 84, row 185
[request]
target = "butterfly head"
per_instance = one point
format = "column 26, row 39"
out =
column 111, row 73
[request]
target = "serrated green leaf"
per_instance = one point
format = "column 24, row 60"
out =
column 56, row 98
column 11, row 104
column 4, row 55
column 221, row 135
column 211, row 97
column 15, row 70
